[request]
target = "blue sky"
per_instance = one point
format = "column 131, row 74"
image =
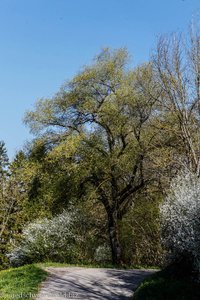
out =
column 45, row 42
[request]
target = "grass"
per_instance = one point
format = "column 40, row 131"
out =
column 21, row 283
column 93, row 265
column 85, row 265
column 162, row 286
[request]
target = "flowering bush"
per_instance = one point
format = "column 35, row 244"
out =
column 180, row 220
column 103, row 254
column 48, row 239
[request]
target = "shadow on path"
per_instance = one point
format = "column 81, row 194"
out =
column 91, row 284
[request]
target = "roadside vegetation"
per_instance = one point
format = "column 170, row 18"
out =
column 164, row 286
column 21, row 283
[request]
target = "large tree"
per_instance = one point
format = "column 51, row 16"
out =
column 100, row 127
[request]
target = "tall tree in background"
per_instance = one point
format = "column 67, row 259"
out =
column 176, row 64
column 3, row 159
column 11, row 202
column 100, row 127
column 5, row 206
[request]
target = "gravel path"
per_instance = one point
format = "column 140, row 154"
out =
column 91, row 284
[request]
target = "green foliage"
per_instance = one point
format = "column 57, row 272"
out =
column 10, row 220
column 4, row 161
column 140, row 232
column 163, row 286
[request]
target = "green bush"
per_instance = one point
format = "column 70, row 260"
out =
column 164, row 286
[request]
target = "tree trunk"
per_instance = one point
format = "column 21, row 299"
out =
column 114, row 239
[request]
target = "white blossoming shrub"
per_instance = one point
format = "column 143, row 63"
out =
column 48, row 239
column 180, row 221
column 103, row 254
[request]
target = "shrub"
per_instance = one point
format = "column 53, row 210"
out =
column 103, row 254
column 48, row 239
column 180, row 222
column 162, row 286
